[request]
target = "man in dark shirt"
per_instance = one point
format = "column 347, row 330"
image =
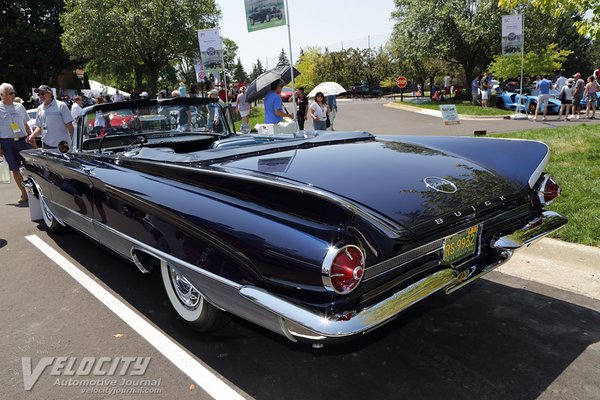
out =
column 302, row 103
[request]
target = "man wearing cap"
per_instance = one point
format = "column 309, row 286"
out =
column 54, row 120
column 578, row 95
column 274, row 105
column 13, row 132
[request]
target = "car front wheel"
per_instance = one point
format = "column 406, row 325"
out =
column 49, row 219
column 188, row 302
column 500, row 103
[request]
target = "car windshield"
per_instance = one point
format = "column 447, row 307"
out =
column 147, row 119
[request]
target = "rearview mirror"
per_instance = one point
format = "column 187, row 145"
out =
column 63, row 146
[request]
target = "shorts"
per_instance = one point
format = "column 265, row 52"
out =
column 577, row 101
column 244, row 113
column 11, row 149
column 566, row 101
column 447, row 90
column 543, row 100
column 592, row 97
column 485, row 95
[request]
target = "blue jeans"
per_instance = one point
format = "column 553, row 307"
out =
column 320, row 125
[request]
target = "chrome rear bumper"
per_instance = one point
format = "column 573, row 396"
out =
column 298, row 323
column 534, row 230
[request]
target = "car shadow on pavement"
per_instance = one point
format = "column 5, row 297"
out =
column 487, row 341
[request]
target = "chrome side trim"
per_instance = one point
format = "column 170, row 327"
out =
column 534, row 230
column 402, row 259
column 137, row 261
column 366, row 320
column 539, row 170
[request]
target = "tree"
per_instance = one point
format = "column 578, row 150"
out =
column 590, row 25
column 283, row 58
column 30, row 48
column 239, row 74
column 541, row 62
column 143, row 35
column 257, row 69
column 459, row 32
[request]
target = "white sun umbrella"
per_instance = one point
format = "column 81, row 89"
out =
column 328, row 88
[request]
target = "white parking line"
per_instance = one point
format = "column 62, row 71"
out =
column 206, row 379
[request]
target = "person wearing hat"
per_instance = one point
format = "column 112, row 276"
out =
column 144, row 95
column 274, row 105
column 577, row 94
column 54, row 120
column 566, row 99
column 13, row 132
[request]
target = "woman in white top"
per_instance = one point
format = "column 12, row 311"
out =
column 318, row 112
column 566, row 99
column 243, row 107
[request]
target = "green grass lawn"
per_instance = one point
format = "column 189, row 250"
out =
column 575, row 163
column 257, row 116
column 463, row 107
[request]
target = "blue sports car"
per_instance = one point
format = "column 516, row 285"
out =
column 510, row 101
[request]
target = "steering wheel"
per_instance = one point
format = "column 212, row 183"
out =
column 113, row 131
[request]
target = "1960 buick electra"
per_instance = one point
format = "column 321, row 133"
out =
column 318, row 236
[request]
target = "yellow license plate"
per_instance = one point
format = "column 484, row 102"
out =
column 461, row 245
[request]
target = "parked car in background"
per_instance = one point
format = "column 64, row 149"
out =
column 511, row 101
column 286, row 94
column 270, row 228
column 358, row 90
column 32, row 114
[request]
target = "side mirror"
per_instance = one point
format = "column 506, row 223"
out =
column 63, row 147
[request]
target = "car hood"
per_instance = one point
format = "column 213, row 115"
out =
column 386, row 176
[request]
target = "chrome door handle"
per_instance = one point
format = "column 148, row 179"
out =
column 87, row 170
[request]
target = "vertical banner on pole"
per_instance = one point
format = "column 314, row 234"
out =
column 512, row 33
column 199, row 68
column 264, row 14
column 211, row 53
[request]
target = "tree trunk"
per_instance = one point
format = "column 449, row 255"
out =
column 431, row 87
column 138, row 77
column 469, row 68
column 153, row 71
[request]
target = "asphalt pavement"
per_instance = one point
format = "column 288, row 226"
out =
column 372, row 116
column 502, row 337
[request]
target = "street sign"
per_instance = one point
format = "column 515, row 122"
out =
column 449, row 114
column 401, row 82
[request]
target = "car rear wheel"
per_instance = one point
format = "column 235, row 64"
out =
column 188, row 302
column 49, row 219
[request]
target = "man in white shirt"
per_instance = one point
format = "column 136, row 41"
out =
column 54, row 120
column 118, row 96
column 560, row 82
column 76, row 109
column 448, row 84
column 13, row 132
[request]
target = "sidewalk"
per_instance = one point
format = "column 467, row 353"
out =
column 559, row 264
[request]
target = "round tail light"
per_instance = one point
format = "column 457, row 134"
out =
column 343, row 269
column 548, row 191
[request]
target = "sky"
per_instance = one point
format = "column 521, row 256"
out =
column 324, row 23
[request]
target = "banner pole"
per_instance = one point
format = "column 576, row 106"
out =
column 223, row 65
column 287, row 16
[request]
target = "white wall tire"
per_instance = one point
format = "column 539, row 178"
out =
column 49, row 219
column 188, row 302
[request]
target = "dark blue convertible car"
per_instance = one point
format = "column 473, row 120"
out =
column 318, row 236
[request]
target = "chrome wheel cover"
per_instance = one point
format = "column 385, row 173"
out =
column 186, row 293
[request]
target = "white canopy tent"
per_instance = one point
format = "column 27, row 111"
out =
column 105, row 89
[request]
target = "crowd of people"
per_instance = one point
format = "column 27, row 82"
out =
column 321, row 112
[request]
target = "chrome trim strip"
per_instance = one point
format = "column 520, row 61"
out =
column 540, row 169
column 402, row 259
column 534, row 230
